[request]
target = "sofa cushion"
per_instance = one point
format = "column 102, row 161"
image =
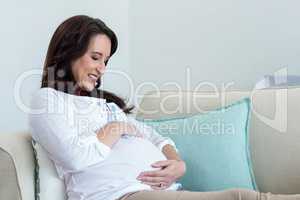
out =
column 48, row 185
column 8, row 185
column 214, row 146
column 274, row 127
column 17, row 156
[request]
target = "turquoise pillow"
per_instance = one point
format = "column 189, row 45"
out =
column 214, row 145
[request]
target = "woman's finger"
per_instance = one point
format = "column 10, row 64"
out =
column 152, row 179
column 155, row 173
column 151, row 183
column 161, row 163
column 157, row 184
column 159, row 187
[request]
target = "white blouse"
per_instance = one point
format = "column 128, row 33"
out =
column 65, row 126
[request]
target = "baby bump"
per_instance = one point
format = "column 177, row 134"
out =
column 135, row 154
column 127, row 159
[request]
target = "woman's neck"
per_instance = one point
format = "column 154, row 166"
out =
column 81, row 92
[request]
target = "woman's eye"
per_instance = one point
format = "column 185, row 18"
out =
column 94, row 58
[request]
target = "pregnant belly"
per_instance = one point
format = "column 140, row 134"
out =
column 134, row 155
column 127, row 159
column 136, row 152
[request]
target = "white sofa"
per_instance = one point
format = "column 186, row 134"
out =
column 274, row 137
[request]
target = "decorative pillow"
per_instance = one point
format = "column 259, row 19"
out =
column 48, row 185
column 214, row 145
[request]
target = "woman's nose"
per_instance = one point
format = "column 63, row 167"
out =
column 101, row 67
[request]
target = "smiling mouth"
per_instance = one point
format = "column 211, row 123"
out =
column 93, row 77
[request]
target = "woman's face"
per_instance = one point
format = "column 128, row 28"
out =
column 88, row 68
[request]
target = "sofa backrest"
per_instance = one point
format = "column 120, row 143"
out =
column 274, row 128
column 274, row 147
column 17, row 166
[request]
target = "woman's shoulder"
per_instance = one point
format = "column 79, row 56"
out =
column 44, row 96
column 45, row 91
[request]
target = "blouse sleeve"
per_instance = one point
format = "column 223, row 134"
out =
column 151, row 134
column 52, row 130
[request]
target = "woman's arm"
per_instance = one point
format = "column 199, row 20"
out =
column 152, row 135
column 60, row 138
column 171, row 154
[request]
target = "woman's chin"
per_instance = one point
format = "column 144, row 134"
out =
column 89, row 88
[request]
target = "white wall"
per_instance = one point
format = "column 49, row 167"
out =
column 26, row 29
column 219, row 41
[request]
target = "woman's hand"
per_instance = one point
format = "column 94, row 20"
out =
column 130, row 129
column 170, row 171
column 111, row 132
column 120, row 128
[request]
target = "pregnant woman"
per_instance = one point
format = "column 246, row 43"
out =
column 98, row 150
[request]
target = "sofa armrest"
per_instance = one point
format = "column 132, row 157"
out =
column 17, row 163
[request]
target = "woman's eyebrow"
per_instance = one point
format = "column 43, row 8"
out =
column 99, row 53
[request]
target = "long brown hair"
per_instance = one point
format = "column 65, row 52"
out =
column 69, row 42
